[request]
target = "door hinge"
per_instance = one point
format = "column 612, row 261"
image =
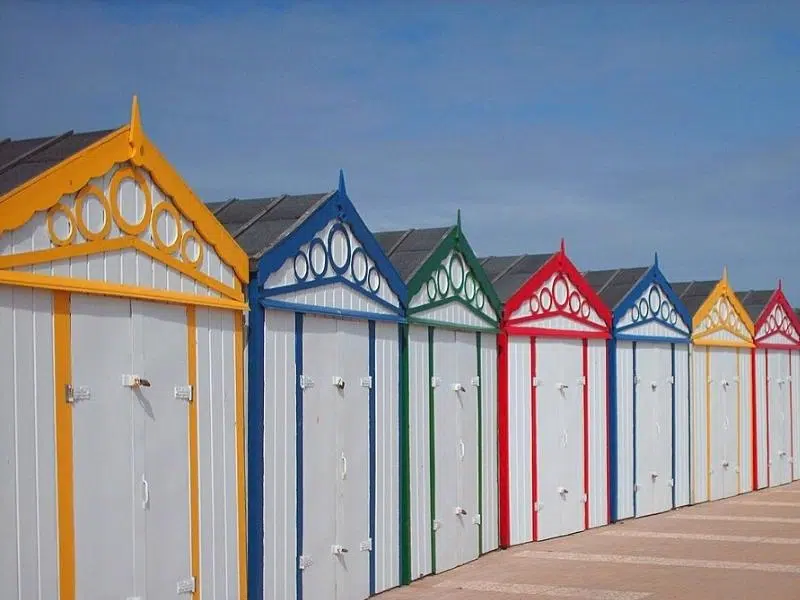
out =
column 671, row 483
column 436, row 524
column 475, row 381
column 306, row 382
column 537, row 506
column 183, row 392
column 435, row 381
column 671, row 380
column 366, row 382
column 582, row 380
column 186, row 586
column 366, row 545
column 476, row 520
column 535, row 381
column 303, row 562
column 77, row 394
column 585, row 498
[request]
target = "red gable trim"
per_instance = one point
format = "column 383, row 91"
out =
column 559, row 265
column 791, row 321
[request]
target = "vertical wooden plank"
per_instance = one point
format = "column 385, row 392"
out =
column 194, row 490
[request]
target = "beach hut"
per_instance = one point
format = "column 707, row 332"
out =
column 323, row 400
column 777, row 393
column 649, row 391
column 552, row 398
column 449, row 400
column 121, row 423
column 722, row 392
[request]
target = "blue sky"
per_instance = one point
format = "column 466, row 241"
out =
column 626, row 127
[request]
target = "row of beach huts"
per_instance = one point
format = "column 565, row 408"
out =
column 266, row 399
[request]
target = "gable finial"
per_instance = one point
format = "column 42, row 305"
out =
column 655, row 262
column 342, row 189
column 780, row 283
column 725, row 273
column 563, row 248
column 136, row 121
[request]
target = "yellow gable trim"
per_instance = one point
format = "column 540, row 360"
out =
column 724, row 291
column 125, row 144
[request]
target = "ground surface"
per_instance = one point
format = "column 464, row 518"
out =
column 742, row 548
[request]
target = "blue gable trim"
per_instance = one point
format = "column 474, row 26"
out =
column 336, row 207
column 334, row 312
column 288, row 289
column 653, row 276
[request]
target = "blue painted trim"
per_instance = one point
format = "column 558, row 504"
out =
column 681, row 335
column 613, row 433
column 635, row 399
column 628, row 337
column 404, row 509
column 298, row 447
column 653, row 276
column 296, row 287
column 674, row 385
column 372, row 448
column 323, row 310
column 255, row 445
column 336, row 206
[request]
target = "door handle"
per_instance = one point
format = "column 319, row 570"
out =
column 145, row 493
column 461, row 448
column 344, row 466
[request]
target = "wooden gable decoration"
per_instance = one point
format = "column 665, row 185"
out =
column 778, row 326
column 722, row 320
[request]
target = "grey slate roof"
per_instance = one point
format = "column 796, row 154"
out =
column 409, row 249
column 258, row 224
column 755, row 301
column 693, row 293
column 797, row 312
column 509, row 273
column 613, row 285
column 22, row 160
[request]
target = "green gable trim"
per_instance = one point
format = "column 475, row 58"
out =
column 454, row 241
column 491, row 324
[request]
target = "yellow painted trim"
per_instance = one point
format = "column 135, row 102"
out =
column 119, row 177
column 240, row 458
column 194, row 474
column 85, row 193
column 722, row 290
column 38, row 257
column 739, row 423
column 84, row 286
column 198, row 260
column 62, row 344
column 60, row 208
column 708, row 424
column 723, row 343
column 127, row 143
column 186, row 269
column 166, row 207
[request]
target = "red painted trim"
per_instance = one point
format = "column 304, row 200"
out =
column 557, row 264
column 534, row 444
column 773, row 346
column 557, row 333
column 608, row 438
column 534, row 318
column 504, row 493
column 791, row 420
column 754, row 420
column 586, row 433
column 777, row 299
column 766, row 410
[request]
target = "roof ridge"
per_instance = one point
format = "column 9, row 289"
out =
column 608, row 282
column 224, row 205
column 513, row 264
column 43, row 146
column 403, row 237
column 258, row 215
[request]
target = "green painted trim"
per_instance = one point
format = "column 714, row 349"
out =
column 452, row 326
column 453, row 299
column 480, row 443
column 405, row 460
column 455, row 240
column 431, row 447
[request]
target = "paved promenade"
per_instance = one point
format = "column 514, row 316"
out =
column 742, row 548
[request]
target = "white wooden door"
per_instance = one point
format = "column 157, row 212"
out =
column 780, row 466
column 559, row 437
column 470, row 517
column 447, row 404
column 572, row 463
column 724, row 424
column 160, row 351
column 107, row 453
column 351, row 400
column 662, row 491
column 321, row 463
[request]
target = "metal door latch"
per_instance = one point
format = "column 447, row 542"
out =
column 562, row 490
column 457, row 387
column 653, row 475
column 134, row 381
column 653, row 385
column 338, row 549
column 338, row 382
column 459, row 511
